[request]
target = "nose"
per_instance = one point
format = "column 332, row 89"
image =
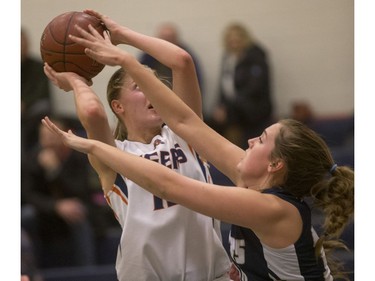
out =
column 251, row 142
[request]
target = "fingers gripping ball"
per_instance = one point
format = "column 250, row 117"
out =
column 64, row 55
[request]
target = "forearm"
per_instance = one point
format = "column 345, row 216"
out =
column 162, row 181
column 172, row 109
column 91, row 113
column 87, row 103
column 164, row 51
column 183, row 121
column 144, row 172
column 93, row 118
column 185, row 82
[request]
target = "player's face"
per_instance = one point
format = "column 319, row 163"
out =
column 137, row 107
column 254, row 166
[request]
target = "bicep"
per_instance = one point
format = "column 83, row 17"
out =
column 234, row 205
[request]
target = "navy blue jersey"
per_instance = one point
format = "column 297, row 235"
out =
column 258, row 261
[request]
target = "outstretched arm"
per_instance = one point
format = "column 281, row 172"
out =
column 188, row 125
column 185, row 81
column 239, row 206
column 91, row 114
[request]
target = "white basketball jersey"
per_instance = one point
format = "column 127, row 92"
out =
column 162, row 240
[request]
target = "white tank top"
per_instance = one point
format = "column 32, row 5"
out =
column 161, row 240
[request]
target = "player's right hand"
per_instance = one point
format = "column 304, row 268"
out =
column 113, row 27
column 64, row 80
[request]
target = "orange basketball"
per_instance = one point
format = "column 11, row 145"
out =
column 64, row 55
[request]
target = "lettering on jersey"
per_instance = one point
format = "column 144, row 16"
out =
column 237, row 250
column 171, row 159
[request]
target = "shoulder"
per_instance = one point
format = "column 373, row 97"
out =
column 256, row 51
column 286, row 196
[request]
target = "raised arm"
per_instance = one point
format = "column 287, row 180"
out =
column 185, row 81
column 251, row 208
column 91, row 114
column 171, row 108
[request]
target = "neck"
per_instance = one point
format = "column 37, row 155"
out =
column 143, row 136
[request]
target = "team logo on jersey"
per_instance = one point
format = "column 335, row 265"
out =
column 157, row 142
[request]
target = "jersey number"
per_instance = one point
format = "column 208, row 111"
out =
column 237, row 249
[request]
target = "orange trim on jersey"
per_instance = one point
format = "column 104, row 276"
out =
column 109, row 203
column 118, row 191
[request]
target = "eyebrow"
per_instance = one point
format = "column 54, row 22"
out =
column 264, row 133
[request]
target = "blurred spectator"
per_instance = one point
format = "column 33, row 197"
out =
column 36, row 101
column 301, row 111
column 336, row 130
column 169, row 32
column 29, row 269
column 244, row 106
column 55, row 202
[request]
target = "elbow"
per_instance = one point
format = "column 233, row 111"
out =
column 92, row 114
column 183, row 60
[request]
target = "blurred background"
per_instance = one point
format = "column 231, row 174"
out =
column 310, row 58
column 310, row 44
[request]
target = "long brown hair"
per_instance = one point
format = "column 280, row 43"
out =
column 114, row 86
column 312, row 172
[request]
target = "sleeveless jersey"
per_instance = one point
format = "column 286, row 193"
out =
column 162, row 240
column 297, row 262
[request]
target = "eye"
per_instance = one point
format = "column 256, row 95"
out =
column 260, row 139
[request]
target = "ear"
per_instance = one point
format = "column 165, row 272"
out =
column 117, row 106
column 275, row 166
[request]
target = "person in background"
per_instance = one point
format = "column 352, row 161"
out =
column 55, row 202
column 272, row 236
column 302, row 111
column 244, row 106
column 29, row 268
column 36, row 99
column 169, row 31
column 160, row 240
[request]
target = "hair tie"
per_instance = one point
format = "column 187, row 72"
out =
column 333, row 169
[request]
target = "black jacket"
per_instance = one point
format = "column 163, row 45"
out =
column 252, row 104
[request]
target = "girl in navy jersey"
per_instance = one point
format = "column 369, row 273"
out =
column 160, row 240
column 273, row 238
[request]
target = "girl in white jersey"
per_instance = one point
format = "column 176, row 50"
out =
column 272, row 237
column 160, row 240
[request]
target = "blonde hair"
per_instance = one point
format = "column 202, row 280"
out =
column 242, row 33
column 114, row 87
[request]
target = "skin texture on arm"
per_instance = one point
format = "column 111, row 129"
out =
column 91, row 114
column 173, row 110
column 263, row 213
column 185, row 81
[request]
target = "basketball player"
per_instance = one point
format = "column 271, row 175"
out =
column 161, row 240
column 272, row 236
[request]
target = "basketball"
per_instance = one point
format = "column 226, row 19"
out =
column 64, row 55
